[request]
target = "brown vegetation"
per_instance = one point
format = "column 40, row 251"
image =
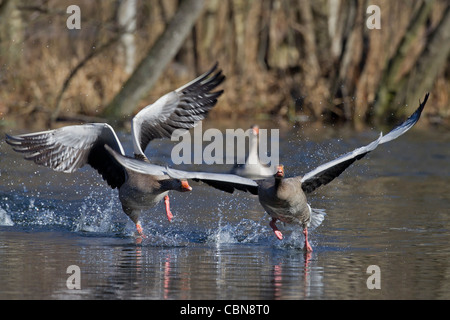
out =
column 300, row 60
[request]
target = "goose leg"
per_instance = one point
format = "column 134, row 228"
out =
column 167, row 203
column 307, row 247
column 134, row 215
column 277, row 232
column 139, row 229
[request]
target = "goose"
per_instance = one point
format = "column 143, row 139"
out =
column 253, row 168
column 284, row 198
column 71, row 147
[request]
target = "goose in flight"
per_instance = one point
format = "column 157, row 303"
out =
column 69, row 148
column 284, row 198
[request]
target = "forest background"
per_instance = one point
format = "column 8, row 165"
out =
column 296, row 60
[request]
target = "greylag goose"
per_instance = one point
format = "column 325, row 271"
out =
column 253, row 168
column 69, row 148
column 285, row 199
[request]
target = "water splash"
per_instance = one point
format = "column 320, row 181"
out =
column 95, row 216
column 223, row 235
column 100, row 214
column 5, row 219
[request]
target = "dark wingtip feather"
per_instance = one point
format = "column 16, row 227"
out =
column 422, row 104
column 12, row 140
column 416, row 115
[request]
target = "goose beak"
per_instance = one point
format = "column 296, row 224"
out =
column 280, row 171
column 185, row 186
column 255, row 130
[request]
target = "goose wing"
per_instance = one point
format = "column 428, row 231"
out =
column 136, row 165
column 330, row 170
column 180, row 109
column 69, row 148
column 222, row 181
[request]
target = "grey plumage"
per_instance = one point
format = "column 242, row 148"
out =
column 285, row 198
column 181, row 109
column 69, row 148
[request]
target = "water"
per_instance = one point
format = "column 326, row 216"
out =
column 390, row 209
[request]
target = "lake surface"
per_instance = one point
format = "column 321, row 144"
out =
column 390, row 210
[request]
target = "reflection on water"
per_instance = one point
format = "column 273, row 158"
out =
column 389, row 210
column 118, row 269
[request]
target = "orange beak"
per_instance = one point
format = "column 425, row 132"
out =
column 255, row 130
column 185, row 186
column 280, row 171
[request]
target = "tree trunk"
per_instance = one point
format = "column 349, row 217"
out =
column 11, row 30
column 127, row 23
column 310, row 65
column 161, row 53
column 389, row 82
column 430, row 63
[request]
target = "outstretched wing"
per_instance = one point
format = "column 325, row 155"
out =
column 70, row 148
column 330, row 170
column 136, row 165
column 222, row 181
column 180, row 109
